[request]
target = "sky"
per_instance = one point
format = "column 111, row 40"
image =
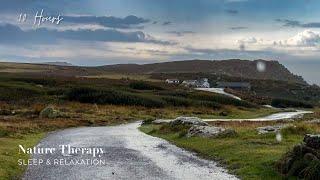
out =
column 100, row 32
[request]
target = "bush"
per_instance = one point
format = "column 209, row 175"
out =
column 176, row 93
column 221, row 99
column 103, row 96
column 3, row 133
column 177, row 101
column 43, row 81
column 285, row 103
column 296, row 130
column 141, row 85
column 18, row 93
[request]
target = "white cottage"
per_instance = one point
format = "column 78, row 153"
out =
column 172, row 81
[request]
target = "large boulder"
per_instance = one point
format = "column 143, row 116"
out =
column 209, row 131
column 312, row 141
column 303, row 161
column 161, row 121
column 50, row 112
column 188, row 121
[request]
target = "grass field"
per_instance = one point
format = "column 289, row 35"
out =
column 101, row 101
column 9, row 154
column 248, row 155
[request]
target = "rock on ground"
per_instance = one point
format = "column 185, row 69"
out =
column 314, row 121
column 160, row 121
column 270, row 129
column 209, row 131
column 188, row 121
column 303, row 161
column 50, row 112
column 312, row 141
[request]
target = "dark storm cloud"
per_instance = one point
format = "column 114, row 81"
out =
column 294, row 23
column 11, row 34
column 108, row 21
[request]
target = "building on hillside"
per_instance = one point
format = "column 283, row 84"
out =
column 234, row 85
column 172, row 81
column 202, row 83
column 189, row 83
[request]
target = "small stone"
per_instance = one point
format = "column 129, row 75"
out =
column 223, row 113
column 270, row 129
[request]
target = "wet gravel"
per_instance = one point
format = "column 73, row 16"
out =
column 128, row 154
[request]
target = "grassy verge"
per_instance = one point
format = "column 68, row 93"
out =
column 9, row 154
column 248, row 155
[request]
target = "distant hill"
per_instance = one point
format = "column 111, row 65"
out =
column 233, row 67
column 57, row 63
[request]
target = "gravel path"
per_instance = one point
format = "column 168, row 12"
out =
column 128, row 153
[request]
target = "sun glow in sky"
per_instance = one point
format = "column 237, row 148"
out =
column 96, row 32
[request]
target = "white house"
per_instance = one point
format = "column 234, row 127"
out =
column 172, row 81
column 202, row 83
column 189, row 83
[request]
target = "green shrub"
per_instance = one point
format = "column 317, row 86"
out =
column 184, row 102
column 12, row 93
column 176, row 93
column 285, row 103
column 3, row 133
column 312, row 171
column 221, row 99
column 296, row 130
column 177, row 101
column 141, row 85
column 103, row 96
column 43, row 81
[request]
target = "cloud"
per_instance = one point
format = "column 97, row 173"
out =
column 238, row 28
column 11, row 34
column 231, row 53
column 166, row 23
column 245, row 41
column 306, row 38
column 232, row 11
column 294, row 23
column 108, row 21
column 181, row 33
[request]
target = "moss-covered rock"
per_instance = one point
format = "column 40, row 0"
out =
column 303, row 161
column 50, row 112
